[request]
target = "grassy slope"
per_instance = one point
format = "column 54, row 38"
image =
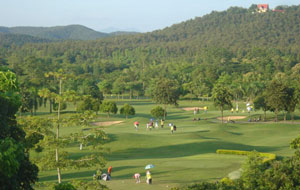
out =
column 187, row 156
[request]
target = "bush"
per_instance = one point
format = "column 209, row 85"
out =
column 127, row 110
column 64, row 186
column 157, row 112
column 266, row 156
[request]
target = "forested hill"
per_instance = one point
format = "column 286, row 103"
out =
column 235, row 28
column 75, row 32
column 7, row 40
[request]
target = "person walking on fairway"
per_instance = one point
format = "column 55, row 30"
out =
column 148, row 177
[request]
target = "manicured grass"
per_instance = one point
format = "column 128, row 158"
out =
column 185, row 157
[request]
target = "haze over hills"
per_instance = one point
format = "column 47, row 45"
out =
column 73, row 32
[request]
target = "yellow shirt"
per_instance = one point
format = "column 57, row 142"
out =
column 149, row 176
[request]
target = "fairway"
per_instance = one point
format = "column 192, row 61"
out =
column 185, row 157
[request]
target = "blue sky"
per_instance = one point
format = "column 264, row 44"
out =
column 103, row 15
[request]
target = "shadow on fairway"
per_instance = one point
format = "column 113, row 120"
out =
column 129, row 175
column 90, row 173
column 183, row 150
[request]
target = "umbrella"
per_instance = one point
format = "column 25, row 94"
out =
column 136, row 123
column 149, row 166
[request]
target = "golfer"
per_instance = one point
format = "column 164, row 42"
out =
column 137, row 176
column 136, row 125
column 109, row 171
column 148, row 177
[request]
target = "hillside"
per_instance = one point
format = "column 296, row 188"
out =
column 8, row 39
column 235, row 28
column 75, row 32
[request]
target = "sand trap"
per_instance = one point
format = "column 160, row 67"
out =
column 192, row 108
column 107, row 123
column 232, row 118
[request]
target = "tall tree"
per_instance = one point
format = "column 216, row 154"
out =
column 166, row 92
column 221, row 97
column 277, row 96
column 59, row 98
column 16, row 171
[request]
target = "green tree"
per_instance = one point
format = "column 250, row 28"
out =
column 109, row 107
column 158, row 112
column 64, row 186
column 60, row 99
column 221, row 97
column 253, row 172
column 127, row 110
column 88, row 103
column 277, row 96
column 16, row 171
column 261, row 103
column 166, row 92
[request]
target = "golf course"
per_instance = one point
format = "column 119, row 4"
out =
column 185, row 157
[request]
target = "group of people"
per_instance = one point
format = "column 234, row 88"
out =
column 104, row 176
column 137, row 177
column 197, row 111
column 154, row 124
column 99, row 175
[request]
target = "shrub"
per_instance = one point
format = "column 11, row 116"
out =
column 64, row 186
column 157, row 112
column 267, row 156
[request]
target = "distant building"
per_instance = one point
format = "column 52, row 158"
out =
column 262, row 8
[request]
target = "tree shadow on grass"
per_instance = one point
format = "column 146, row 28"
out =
column 183, row 150
column 85, row 174
column 129, row 175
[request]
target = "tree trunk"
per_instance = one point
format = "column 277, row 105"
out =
column 165, row 109
column 35, row 104
column 222, row 114
column 50, row 105
column 284, row 117
column 57, row 134
column 276, row 115
column 265, row 117
column 130, row 94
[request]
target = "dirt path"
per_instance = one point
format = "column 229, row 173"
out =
column 232, row 118
column 107, row 123
column 192, row 108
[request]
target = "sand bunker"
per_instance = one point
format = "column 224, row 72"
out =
column 107, row 123
column 232, row 118
column 192, row 108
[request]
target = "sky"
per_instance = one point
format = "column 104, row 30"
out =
column 111, row 15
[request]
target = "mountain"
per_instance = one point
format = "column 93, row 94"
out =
column 74, row 32
column 235, row 28
column 8, row 39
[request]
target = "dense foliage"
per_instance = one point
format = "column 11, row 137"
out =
column 16, row 171
column 236, row 48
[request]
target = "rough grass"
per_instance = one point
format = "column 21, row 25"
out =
column 185, row 157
